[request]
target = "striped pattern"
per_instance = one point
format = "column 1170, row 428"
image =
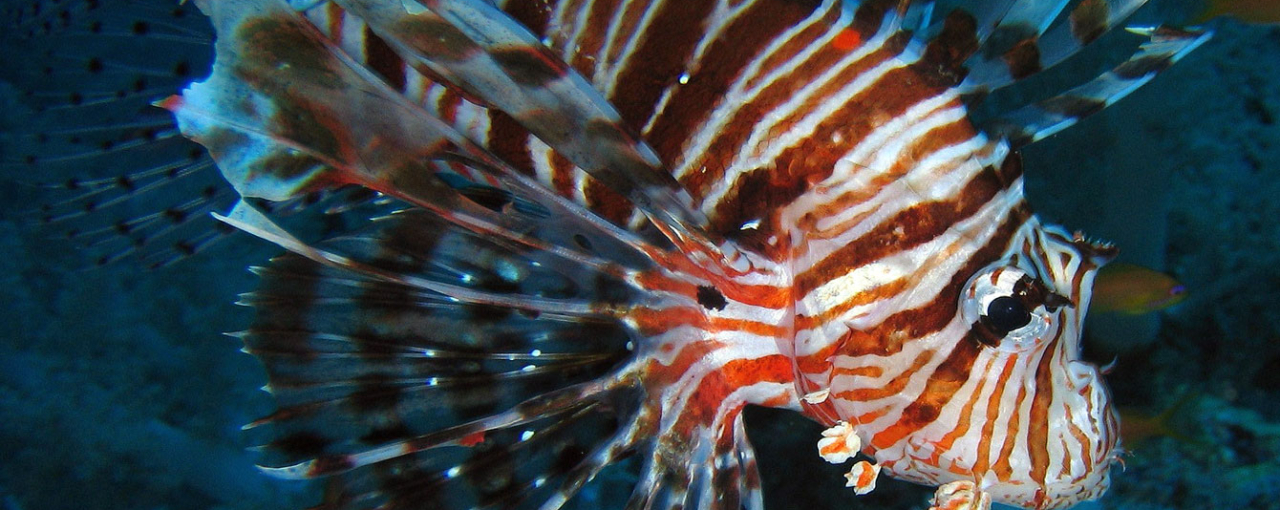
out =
column 627, row 220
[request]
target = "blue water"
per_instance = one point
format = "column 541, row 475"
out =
column 117, row 392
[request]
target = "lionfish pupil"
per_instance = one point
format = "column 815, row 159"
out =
column 1006, row 313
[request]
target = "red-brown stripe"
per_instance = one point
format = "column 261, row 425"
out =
column 660, row 58
column 887, row 338
column 384, row 61
column 934, row 140
column 583, row 54
column 798, row 167
column 744, row 39
column 908, row 228
column 943, row 383
column 509, row 141
column 1003, row 468
column 1038, row 421
column 993, row 407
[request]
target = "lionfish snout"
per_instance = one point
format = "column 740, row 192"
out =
column 1024, row 418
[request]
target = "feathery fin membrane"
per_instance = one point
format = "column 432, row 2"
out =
column 122, row 183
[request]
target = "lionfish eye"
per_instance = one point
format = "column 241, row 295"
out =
column 1007, row 313
column 1007, row 307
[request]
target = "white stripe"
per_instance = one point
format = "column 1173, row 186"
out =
column 737, row 95
column 716, row 24
column 939, row 258
column 606, row 75
column 762, row 148
column 941, row 177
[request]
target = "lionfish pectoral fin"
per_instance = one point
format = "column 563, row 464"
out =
column 538, row 455
column 299, row 115
column 422, row 363
column 713, row 468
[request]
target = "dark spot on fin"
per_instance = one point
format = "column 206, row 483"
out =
column 711, row 298
column 301, row 444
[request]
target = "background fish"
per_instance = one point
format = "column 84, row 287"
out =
column 1133, row 289
column 1252, row 11
column 705, row 299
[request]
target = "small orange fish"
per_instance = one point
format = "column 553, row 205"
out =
column 1137, row 427
column 1251, row 11
column 1135, row 290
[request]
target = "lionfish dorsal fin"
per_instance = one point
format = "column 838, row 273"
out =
column 480, row 48
column 1017, row 39
column 1031, row 41
column 1048, row 116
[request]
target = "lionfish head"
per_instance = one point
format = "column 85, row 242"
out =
column 1025, row 419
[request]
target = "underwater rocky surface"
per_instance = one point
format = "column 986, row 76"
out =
column 117, row 392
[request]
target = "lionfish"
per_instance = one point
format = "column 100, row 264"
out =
column 605, row 228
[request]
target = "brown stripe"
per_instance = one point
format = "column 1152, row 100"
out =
column 921, row 148
column 384, row 61
column 1089, row 20
column 945, row 56
column 607, row 202
column 582, row 55
column 724, row 61
column 1003, row 467
column 885, row 99
column 1083, row 444
column 337, row 17
column 982, row 464
column 1150, row 64
column 1038, row 421
column 796, row 44
column 619, row 36
column 1073, row 105
column 893, row 387
column 962, row 425
column 447, row 105
column 908, row 228
column 798, row 167
column 830, row 313
column 888, row 337
column 533, row 15
column 870, row 15
column 1023, row 59
column 942, row 385
column 509, row 140
column 530, row 66
column 564, row 176
column 661, row 57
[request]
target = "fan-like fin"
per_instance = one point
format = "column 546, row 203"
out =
column 420, row 363
column 124, row 182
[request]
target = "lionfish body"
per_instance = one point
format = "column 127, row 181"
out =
column 623, row 222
